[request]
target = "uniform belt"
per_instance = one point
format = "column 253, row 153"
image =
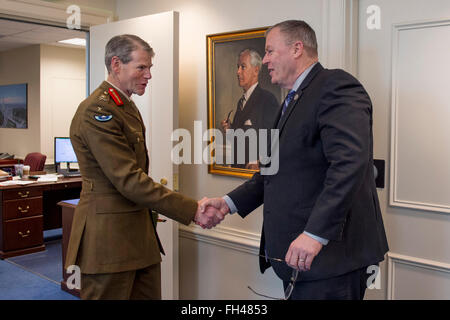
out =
column 96, row 186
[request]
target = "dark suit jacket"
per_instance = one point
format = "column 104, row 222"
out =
column 325, row 183
column 259, row 113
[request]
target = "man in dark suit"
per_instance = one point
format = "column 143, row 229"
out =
column 321, row 209
column 257, row 107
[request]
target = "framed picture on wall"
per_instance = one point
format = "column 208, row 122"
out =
column 13, row 106
column 242, row 101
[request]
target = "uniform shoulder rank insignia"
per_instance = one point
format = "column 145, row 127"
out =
column 104, row 96
column 113, row 93
column 103, row 118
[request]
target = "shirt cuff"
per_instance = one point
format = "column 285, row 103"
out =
column 230, row 204
column 321, row 240
column 233, row 209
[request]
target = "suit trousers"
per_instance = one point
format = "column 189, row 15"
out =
column 142, row 284
column 349, row 286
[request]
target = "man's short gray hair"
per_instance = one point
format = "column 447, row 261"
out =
column 298, row 30
column 255, row 58
column 122, row 46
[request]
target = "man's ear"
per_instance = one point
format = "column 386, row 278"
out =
column 257, row 70
column 298, row 48
column 115, row 64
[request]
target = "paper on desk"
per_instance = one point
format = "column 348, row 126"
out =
column 48, row 178
column 15, row 182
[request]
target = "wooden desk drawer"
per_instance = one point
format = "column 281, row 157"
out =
column 23, row 193
column 23, row 233
column 66, row 184
column 15, row 209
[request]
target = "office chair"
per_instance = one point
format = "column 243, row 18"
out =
column 35, row 160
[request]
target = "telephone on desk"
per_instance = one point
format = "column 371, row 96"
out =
column 6, row 156
column 67, row 171
column 71, row 173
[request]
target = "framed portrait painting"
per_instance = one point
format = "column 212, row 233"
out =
column 13, row 106
column 242, row 102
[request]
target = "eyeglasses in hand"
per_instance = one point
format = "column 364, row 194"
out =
column 289, row 288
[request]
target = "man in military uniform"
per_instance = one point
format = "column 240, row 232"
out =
column 113, row 238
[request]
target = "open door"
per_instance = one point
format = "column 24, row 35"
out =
column 158, row 107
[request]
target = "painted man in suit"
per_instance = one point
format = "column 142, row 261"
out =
column 257, row 107
column 113, row 238
column 321, row 209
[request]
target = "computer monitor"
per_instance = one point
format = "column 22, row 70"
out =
column 64, row 150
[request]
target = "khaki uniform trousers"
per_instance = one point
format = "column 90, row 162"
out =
column 142, row 284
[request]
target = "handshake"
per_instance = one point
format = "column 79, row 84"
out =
column 210, row 212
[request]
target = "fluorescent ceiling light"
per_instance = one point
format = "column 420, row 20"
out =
column 75, row 41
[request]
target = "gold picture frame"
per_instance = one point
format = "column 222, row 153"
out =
column 224, row 91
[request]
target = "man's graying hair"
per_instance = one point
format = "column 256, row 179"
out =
column 122, row 46
column 255, row 58
column 298, row 30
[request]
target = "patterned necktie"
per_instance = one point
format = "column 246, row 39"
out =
column 287, row 100
column 241, row 103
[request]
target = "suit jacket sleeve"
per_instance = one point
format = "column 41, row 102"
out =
column 249, row 195
column 344, row 123
column 116, row 158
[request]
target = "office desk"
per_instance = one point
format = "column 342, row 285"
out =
column 27, row 210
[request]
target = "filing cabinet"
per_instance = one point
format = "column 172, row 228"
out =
column 27, row 210
column 21, row 215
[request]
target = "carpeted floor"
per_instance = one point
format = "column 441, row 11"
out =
column 46, row 263
column 34, row 276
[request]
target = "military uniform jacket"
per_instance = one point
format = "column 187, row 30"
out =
column 112, row 229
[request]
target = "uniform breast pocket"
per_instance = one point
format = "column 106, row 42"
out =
column 139, row 141
column 140, row 149
column 136, row 140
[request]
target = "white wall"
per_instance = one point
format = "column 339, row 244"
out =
column 404, row 67
column 218, row 264
column 63, row 87
column 56, row 78
column 22, row 66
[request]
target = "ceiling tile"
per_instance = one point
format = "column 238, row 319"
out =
column 27, row 34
